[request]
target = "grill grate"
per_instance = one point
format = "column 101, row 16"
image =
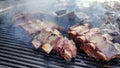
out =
column 15, row 53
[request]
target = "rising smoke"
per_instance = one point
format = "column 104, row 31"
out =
column 92, row 8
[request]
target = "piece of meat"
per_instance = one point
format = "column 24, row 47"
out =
column 92, row 42
column 53, row 41
column 33, row 27
column 40, row 38
column 50, row 39
column 66, row 48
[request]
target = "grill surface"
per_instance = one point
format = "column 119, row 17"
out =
column 15, row 53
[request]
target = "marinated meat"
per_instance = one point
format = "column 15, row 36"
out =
column 95, row 44
column 50, row 39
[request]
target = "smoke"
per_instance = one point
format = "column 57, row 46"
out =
column 47, row 9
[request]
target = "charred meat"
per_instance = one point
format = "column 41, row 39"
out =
column 94, row 43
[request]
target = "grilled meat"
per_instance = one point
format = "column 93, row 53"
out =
column 50, row 39
column 95, row 44
column 53, row 41
column 34, row 27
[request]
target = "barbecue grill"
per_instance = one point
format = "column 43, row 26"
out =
column 14, row 52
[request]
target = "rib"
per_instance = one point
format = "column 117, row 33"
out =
column 50, row 39
column 94, row 43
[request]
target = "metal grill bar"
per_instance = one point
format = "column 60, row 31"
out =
column 6, row 63
column 15, row 53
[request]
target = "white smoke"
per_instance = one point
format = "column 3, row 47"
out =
column 51, row 6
